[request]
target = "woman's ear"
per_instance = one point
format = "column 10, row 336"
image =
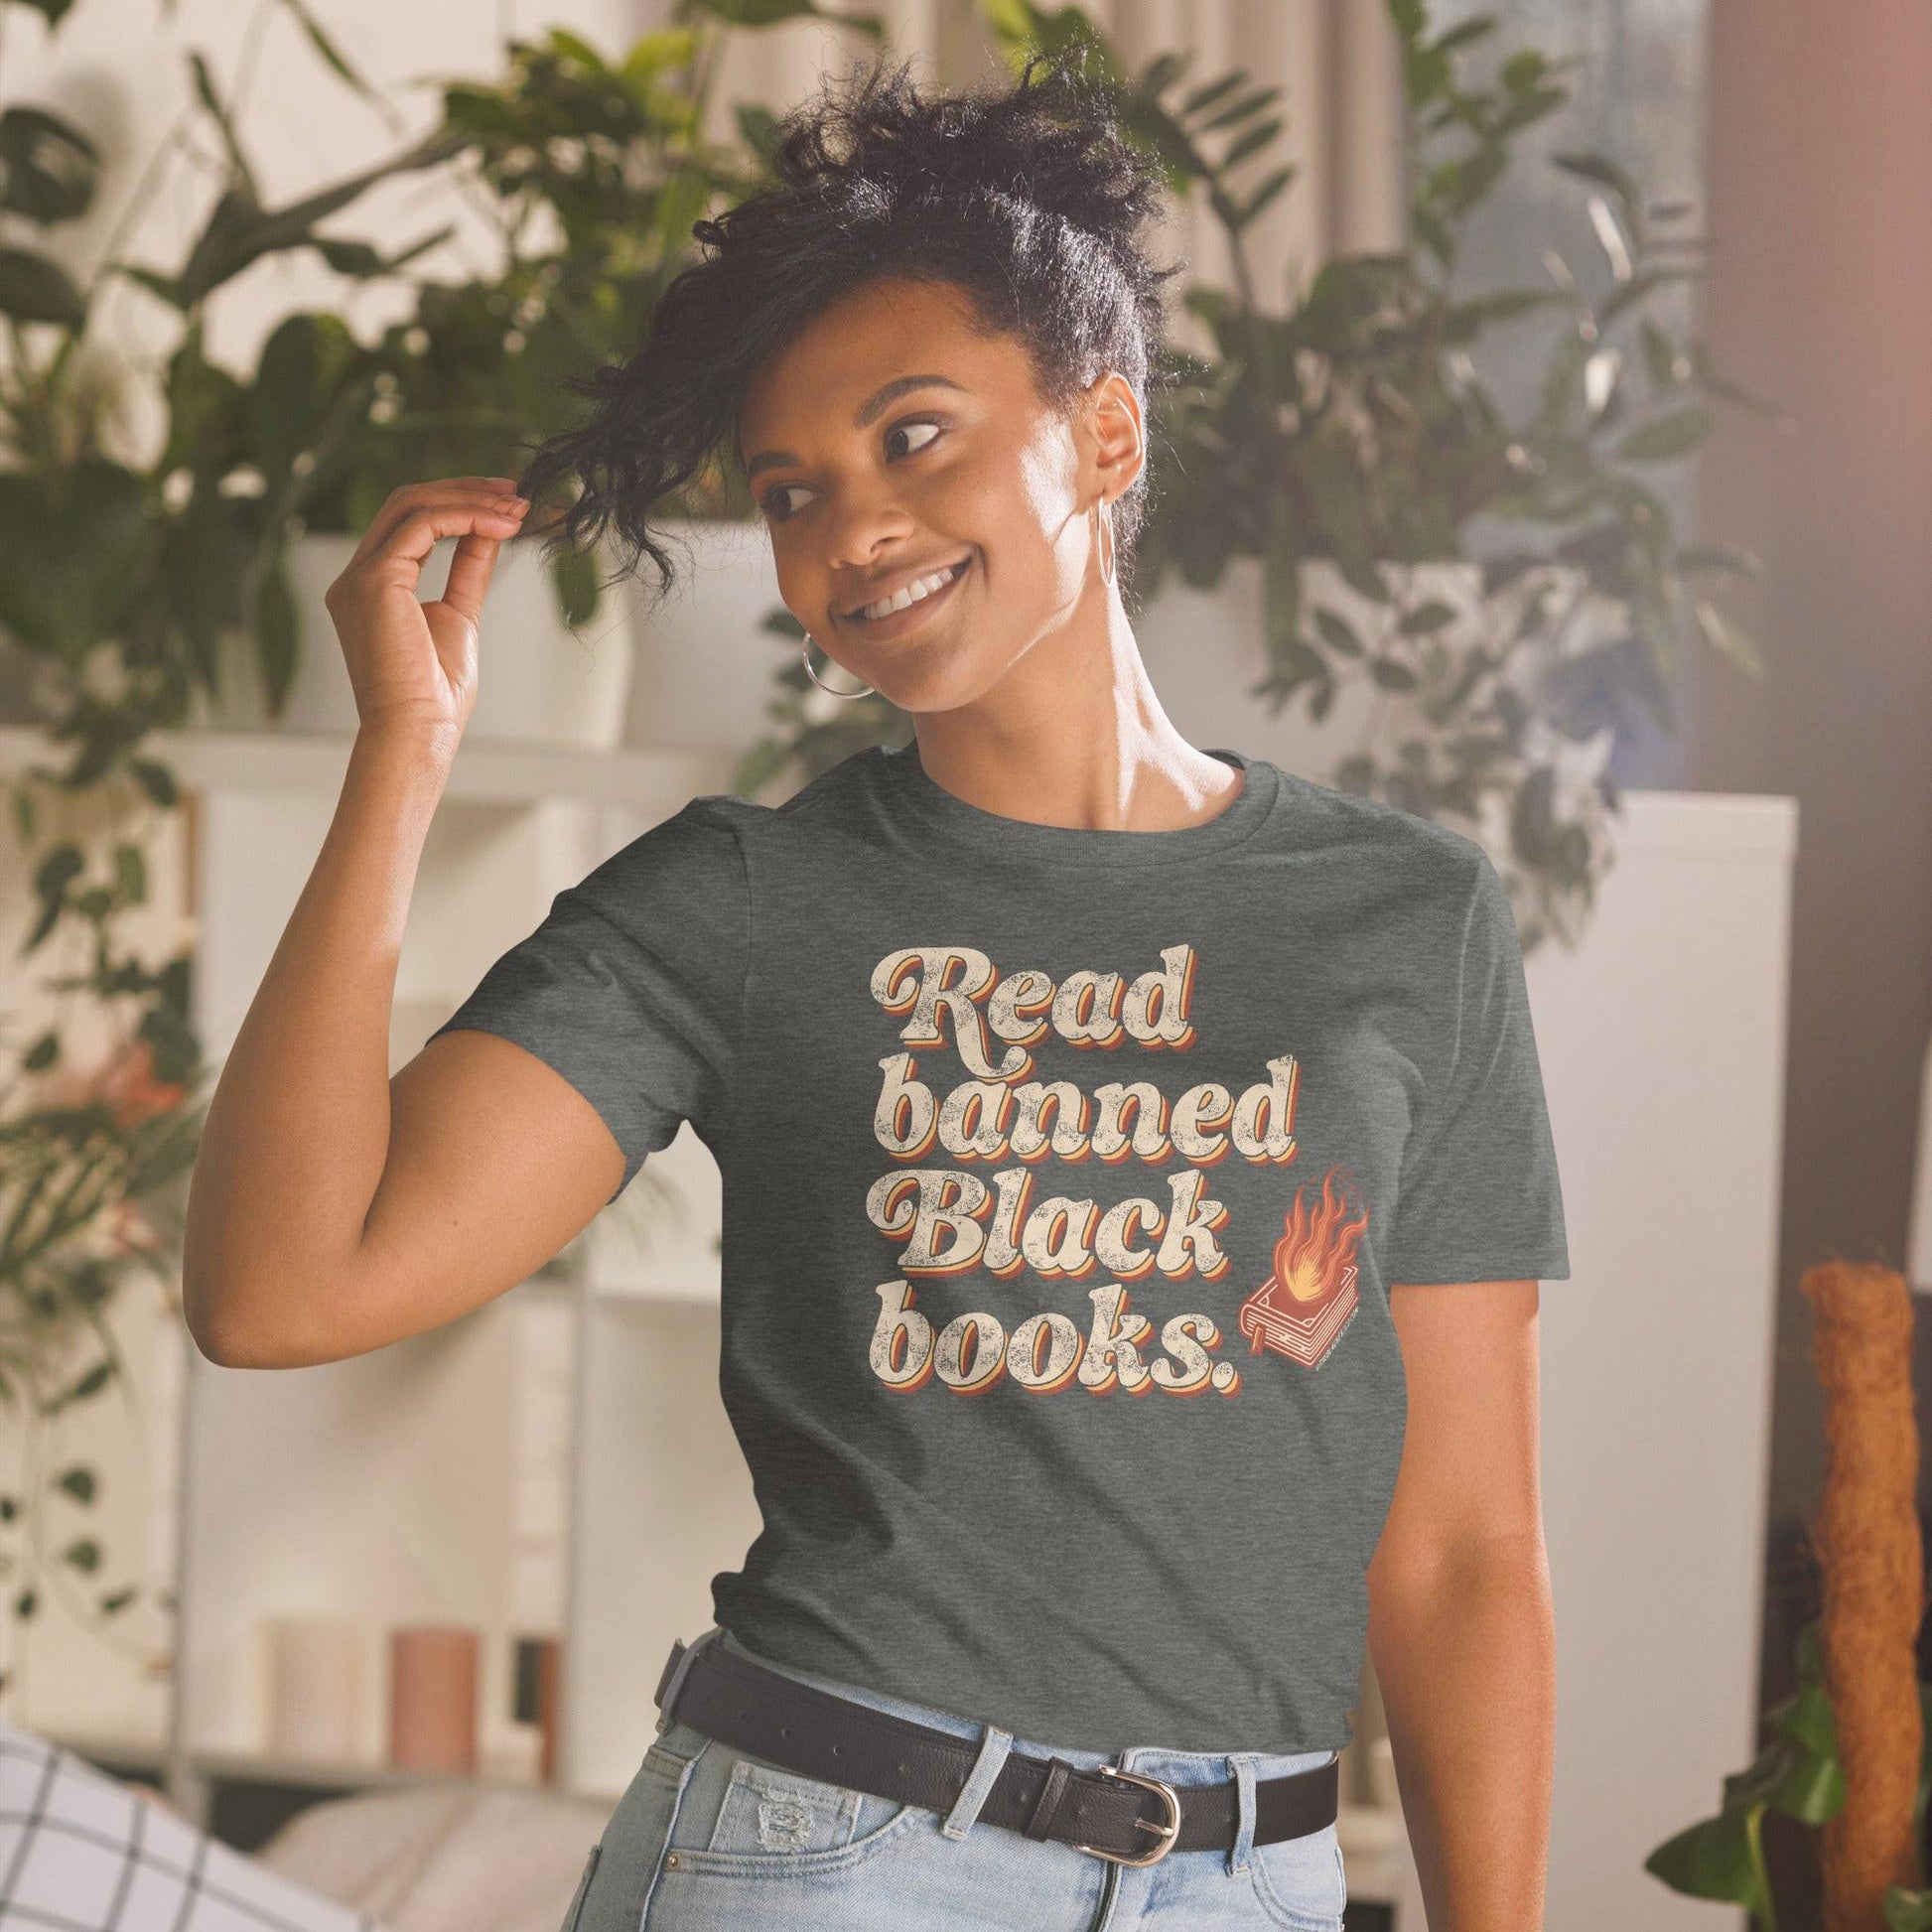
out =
column 1115, row 448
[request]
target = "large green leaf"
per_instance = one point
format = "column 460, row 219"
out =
column 1713, row 1860
column 207, row 412
column 71, row 545
column 205, row 556
column 358, row 261
column 654, row 55
column 1338, row 633
column 1246, row 208
column 1473, row 29
column 1907, row 1910
column 574, row 577
column 303, row 366
column 1608, row 174
column 1727, row 639
column 49, row 169
column 1666, row 436
column 36, row 288
column 239, row 230
column 278, row 631
column 217, row 111
column 325, row 45
column 769, row 13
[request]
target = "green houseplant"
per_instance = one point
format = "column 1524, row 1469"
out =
column 1355, row 431
column 117, row 576
column 119, row 573
column 591, row 171
column 123, row 578
column 1798, row 1775
column 1347, row 447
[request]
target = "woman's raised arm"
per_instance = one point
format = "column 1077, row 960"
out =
column 333, row 1209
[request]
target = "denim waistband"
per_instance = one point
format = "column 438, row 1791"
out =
column 1174, row 1767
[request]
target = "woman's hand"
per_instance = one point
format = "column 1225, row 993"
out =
column 413, row 665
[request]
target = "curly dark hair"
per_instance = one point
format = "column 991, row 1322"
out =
column 1027, row 197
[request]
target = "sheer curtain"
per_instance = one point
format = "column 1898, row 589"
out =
column 1334, row 60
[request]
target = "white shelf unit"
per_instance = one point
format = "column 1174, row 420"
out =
column 400, row 1488
column 557, row 1463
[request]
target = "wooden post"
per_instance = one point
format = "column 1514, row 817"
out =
column 1866, row 1535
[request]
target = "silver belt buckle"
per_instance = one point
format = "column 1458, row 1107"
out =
column 1167, row 1831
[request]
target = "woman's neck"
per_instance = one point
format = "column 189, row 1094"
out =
column 1074, row 734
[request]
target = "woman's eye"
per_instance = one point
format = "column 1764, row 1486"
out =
column 774, row 505
column 905, row 429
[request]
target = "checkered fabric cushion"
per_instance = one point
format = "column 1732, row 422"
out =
column 81, row 1852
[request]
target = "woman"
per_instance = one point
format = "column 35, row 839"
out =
column 1081, row 1099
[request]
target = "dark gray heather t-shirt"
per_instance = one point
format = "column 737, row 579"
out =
column 1066, row 1172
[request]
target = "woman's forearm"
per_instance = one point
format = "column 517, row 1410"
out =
column 298, row 1126
column 1464, row 1655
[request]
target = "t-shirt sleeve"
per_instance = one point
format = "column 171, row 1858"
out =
column 632, row 987
column 1478, row 1197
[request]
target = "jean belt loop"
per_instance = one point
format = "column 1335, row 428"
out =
column 993, row 1747
column 691, row 1649
column 1242, row 1765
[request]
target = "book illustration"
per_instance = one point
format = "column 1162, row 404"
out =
column 1305, row 1305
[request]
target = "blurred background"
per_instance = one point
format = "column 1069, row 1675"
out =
column 1548, row 454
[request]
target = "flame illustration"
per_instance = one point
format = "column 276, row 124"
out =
column 1313, row 1250
column 1301, row 1309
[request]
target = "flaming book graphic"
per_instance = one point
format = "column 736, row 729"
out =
column 1301, row 1309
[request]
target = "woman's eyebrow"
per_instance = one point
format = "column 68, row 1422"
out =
column 868, row 412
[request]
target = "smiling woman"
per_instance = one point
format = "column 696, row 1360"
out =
column 1011, row 1632
column 928, row 349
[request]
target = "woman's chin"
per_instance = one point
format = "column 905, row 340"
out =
column 941, row 676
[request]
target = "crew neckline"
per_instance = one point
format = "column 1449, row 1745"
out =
column 917, row 796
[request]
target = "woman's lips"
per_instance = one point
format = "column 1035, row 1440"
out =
column 897, row 623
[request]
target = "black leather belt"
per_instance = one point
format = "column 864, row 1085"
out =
column 1117, row 1814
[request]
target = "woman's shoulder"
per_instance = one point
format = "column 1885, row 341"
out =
column 1320, row 816
column 837, row 792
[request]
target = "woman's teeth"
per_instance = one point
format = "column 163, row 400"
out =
column 912, row 592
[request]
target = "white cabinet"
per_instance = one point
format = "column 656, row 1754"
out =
column 555, row 1461
column 1663, row 1047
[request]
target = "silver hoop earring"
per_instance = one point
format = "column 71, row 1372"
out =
column 1110, row 565
column 865, row 690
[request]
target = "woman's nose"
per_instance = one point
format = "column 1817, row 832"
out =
column 862, row 522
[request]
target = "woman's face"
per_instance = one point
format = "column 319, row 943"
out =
column 890, row 445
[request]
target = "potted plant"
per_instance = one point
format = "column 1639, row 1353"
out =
column 119, row 575
column 173, row 587
column 1799, row 1775
column 1851, row 1749
column 591, row 171
column 1349, row 450
column 135, row 587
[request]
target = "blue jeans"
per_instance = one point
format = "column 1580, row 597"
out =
column 707, row 1839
